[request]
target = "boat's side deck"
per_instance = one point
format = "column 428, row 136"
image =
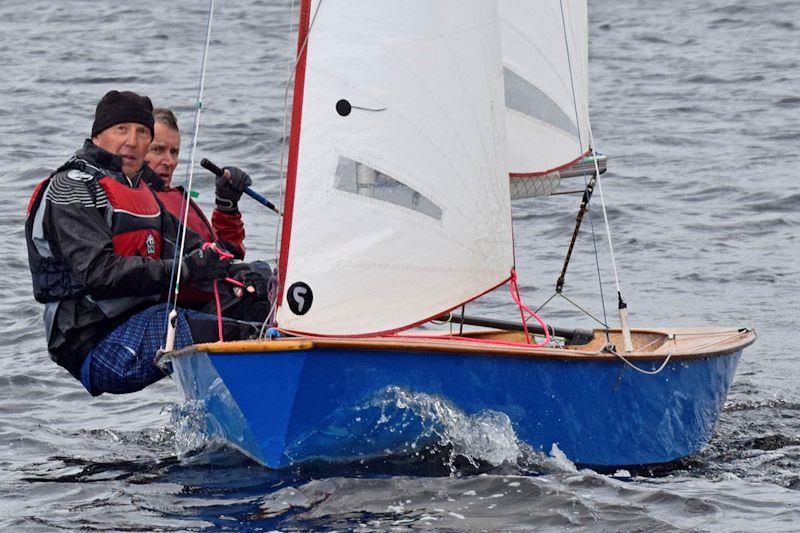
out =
column 648, row 344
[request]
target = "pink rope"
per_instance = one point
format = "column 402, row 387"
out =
column 219, row 310
column 223, row 255
column 462, row 339
column 514, row 288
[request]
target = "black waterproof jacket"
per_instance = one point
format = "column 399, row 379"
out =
column 68, row 226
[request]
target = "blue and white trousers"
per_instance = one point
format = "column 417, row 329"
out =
column 125, row 360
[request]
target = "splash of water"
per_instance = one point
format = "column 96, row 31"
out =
column 486, row 436
column 400, row 422
column 189, row 423
column 559, row 462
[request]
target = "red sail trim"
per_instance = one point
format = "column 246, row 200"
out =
column 396, row 330
column 545, row 172
column 294, row 144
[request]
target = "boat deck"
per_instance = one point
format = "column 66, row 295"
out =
column 648, row 344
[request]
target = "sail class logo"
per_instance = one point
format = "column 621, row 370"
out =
column 299, row 297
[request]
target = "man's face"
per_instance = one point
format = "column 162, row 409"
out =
column 128, row 140
column 163, row 154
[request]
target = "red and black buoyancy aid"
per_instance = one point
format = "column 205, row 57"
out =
column 173, row 200
column 135, row 218
column 52, row 278
column 132, row 213
column 225, row 228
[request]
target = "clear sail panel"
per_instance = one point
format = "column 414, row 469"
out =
column 363, row 180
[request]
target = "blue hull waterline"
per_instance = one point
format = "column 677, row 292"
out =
column 341, row 403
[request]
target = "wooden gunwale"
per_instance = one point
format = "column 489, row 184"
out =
column 684, row 344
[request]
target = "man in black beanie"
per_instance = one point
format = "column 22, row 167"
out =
column 100, row 249
column 123, row 125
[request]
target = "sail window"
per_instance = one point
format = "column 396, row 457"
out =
column 528, row 99
column 363, row 180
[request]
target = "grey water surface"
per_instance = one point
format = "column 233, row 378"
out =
column 697, row 105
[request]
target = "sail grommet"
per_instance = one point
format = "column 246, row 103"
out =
column 343, row 107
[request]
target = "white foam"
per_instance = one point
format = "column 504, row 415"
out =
column 560, row 460
column 484, row 436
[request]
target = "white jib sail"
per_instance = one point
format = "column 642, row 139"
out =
column 547, row 106
column 401, row 203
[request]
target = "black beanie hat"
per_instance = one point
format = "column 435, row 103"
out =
column 117, row 107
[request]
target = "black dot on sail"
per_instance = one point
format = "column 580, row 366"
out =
column 343, row 107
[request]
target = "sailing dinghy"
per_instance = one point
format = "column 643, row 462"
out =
column 408, row 119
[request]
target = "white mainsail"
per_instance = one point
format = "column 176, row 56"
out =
column 398, row 203
column 545, row 64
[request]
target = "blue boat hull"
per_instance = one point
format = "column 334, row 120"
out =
column 282, row 407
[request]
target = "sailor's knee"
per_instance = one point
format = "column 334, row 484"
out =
column 125, row 373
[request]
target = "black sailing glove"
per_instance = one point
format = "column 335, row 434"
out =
column 231, row 187
column 205, row 264
column 255, row 282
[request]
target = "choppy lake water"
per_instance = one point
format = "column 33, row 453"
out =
column 697, row 106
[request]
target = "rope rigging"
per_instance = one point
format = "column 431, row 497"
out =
column 177, row 258
column 590, row 185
